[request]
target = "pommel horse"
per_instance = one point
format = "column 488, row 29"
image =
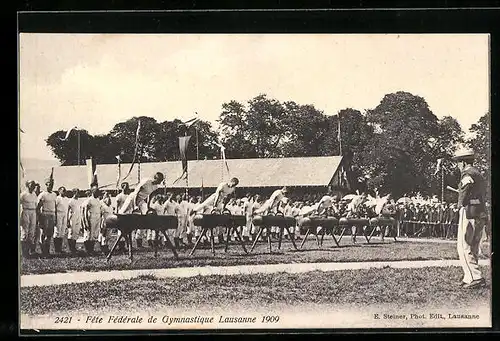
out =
column 266, row 221
column 211, row 221
column 127, row 223
column 383, row 221
column 345, row 223
column 310, row 224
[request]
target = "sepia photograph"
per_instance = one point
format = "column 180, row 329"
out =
column 254, row 181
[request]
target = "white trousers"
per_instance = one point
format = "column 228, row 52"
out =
column 74, row 226
column 61, row 225
column 468, row 240
column 28, row 226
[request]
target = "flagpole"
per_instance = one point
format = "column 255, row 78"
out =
column 197, row 149
column 442, row 184
column 187, row 159
column 78, row 147
column 340, row 138
column 139, row 165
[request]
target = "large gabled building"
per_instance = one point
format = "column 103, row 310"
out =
column 260, row 175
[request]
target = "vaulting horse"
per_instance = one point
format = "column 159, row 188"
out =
column 210, row 221
column 265, row 222
column 127, row 223
column 310, row 224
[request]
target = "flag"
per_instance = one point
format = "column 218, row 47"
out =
column 119, row 159
column 189, row 122
column 51, row 176
column 136, row 148
column 223, row 154
column 138, row 129
column 22, row 168
column 438, row 166
column 68, row 132
column 183, row 145
column 92, row 172
column 202, row 187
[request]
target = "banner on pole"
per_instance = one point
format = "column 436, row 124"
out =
column 183, row 145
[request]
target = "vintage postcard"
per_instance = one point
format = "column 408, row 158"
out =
column 254, row 181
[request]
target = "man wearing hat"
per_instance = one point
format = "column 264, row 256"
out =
column 47, row 215
column 472, row 218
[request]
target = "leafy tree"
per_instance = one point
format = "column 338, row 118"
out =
column 305, row 131
column 234, row 131
column 124, row 135
column 264, row 128
column 480, row 142
column 481, row 145
column 408, row 139
column 67, row 150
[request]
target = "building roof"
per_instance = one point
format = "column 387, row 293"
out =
column 262, row 172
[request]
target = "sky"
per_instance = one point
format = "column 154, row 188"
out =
column 94, row 81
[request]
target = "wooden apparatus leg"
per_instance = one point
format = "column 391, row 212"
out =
column 305, row 238
column 242, row 243
column 293, row 239
column 202, row 234
column 170, row 245
column 371, row 234
column 228, row 235
column 322, row 237
column 342, row 234
column 280, row 237
column 120, row 236
column 212, row 241
column 155, row 243
column 257, row 238
column 269, row 241
column 130, row 252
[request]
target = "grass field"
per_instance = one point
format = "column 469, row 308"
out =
column 375, row 251
column 420, row 288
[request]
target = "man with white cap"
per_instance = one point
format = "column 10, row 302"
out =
column 472, row 218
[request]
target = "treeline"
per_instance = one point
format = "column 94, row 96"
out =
column 393, row 147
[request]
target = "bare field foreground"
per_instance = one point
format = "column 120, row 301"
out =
column 370, row 298
column 348, row 252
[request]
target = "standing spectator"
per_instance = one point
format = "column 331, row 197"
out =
column 73, row 221
column 295, row 213
column 257, row 204
column 287, row 211
column 28, row 200
column 47, row 216
column 472, row 218
column 61, row 216
column 454, row 215
column 106, row 210
column 93, row 216
column 247, row 209
column 189, row 206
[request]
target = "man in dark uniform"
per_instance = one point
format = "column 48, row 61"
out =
column 472, row 218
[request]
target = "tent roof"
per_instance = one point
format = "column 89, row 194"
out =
column 261, row 172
